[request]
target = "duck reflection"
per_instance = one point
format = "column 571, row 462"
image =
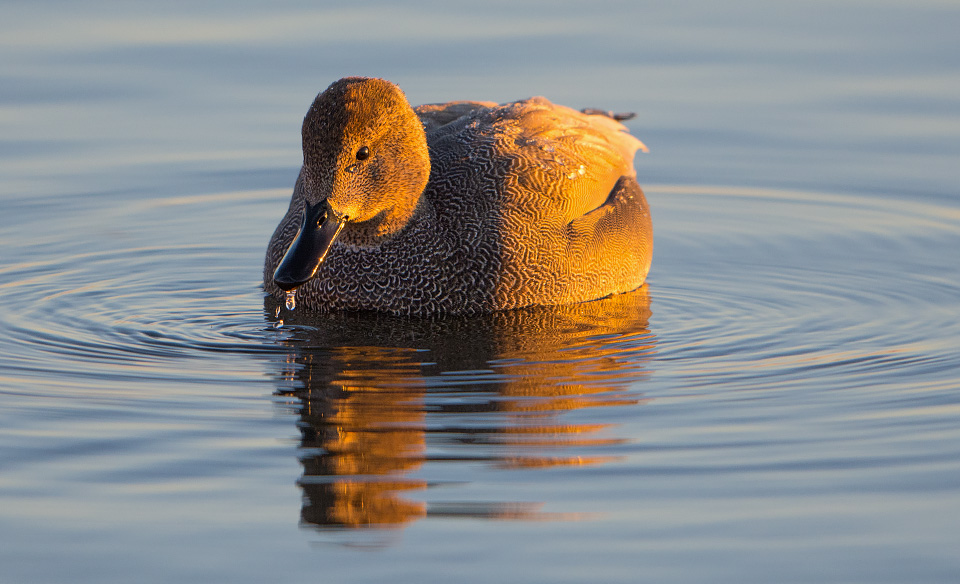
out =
column 385, row 401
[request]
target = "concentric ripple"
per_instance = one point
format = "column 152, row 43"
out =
column 746, row 284
column 160, row 285
column 755, row 288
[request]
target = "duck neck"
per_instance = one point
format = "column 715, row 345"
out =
column 387, row 224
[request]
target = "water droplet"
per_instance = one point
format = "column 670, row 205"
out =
column 291, row 299
column 583, row 170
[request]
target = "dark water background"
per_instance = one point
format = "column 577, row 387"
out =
column 781, row 403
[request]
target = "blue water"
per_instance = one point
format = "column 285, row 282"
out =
column 780, row 403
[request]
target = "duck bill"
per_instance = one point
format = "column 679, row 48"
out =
column 309, row 248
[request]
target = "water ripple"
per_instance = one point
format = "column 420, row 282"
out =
column 746, row 283
column 823, row 286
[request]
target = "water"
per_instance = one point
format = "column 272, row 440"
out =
column 781, row 403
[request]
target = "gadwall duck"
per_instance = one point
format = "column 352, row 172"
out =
column 461, row 208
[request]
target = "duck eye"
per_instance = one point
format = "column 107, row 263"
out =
column 363, row 153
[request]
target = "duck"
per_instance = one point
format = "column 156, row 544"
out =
column 464, row 207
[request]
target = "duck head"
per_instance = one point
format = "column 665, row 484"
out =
column 365, row 166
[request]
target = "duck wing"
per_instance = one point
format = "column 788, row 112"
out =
column 576, row 158
column 569, row 159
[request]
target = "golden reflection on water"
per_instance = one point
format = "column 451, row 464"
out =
column 381, row 397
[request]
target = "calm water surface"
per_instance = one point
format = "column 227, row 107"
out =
column 780, row 403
